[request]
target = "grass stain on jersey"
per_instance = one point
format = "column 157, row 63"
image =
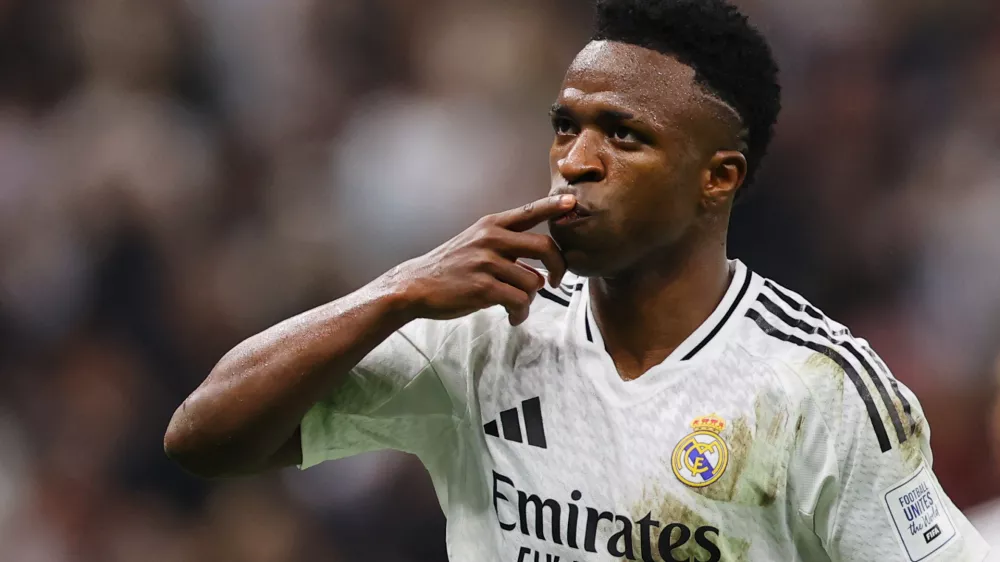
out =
column 771, row 451
column 739, row 441
column 829, row 373
column 758, row 456
column 667, row 509
column 911, row 449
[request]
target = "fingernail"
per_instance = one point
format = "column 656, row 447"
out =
column 566, row 200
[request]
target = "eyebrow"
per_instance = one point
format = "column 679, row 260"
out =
column 559, row 109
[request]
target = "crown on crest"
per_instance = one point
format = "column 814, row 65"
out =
column 711, row 422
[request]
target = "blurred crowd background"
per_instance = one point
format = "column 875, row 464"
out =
column 176, row 175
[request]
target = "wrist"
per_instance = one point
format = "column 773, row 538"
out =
column 399, row 296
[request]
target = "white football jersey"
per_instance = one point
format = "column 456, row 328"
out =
column 770, row 434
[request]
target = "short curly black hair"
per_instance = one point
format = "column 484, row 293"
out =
column 731, row 59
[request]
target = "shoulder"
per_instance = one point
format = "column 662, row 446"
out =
column 782, row 326
column 847, row 381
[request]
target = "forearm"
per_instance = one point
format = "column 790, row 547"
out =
column 245, row 413
column 253, row 400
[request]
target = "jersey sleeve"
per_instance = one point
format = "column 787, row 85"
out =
column 407, row 395
column 876, row 496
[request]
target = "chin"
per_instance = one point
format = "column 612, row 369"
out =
column 591, row 263
column 590, row 254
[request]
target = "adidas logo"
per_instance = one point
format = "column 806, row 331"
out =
column 510, row 420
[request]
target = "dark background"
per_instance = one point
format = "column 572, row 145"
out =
column 177, row 175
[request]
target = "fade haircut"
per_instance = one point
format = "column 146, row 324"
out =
column 731, row 59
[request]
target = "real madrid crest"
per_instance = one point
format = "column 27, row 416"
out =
column 701, row 457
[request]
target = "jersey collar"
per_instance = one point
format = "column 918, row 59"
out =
column 700, row 341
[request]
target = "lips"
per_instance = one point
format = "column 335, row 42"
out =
column 578, row 213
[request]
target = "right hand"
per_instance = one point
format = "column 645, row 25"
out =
column 478, row 268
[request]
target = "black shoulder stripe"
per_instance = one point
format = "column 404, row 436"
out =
column 859, row 385
column 890, row 406
column 801, row 306
column 800, row 324
column 907, row 410
column 790, row 301
column 586, row 323
column 545, row 294
column 906, row 404
column 796, row 323
column 808, row 328
column 725, row 318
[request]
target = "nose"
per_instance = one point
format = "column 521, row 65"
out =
column 582, row 164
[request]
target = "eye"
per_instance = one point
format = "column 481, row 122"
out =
column 563, row 126
column 624, row 134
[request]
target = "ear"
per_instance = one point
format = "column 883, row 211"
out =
column 723, row 177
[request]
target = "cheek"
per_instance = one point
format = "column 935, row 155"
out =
column 647, row 186
column 652, row 202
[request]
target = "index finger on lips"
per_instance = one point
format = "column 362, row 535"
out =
column 536, row 212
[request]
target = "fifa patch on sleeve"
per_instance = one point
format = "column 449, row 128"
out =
column 919, row 515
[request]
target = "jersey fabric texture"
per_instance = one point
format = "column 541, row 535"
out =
column 770, row 434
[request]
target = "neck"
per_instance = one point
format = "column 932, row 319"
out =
column 645, row 313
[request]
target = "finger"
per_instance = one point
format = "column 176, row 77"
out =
column 535, row 213
column 538, row 274
column 517, row 275
column 535, row 246
column 515, row 301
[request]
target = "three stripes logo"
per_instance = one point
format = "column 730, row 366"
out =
column 510, row 423
column 806, row 329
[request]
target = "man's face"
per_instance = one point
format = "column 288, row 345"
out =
column 632, row 142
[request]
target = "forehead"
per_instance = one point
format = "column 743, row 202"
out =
column 645, row 81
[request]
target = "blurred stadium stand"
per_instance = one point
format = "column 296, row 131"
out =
column 176, row 175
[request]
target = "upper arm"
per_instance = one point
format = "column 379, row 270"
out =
column 404, row 395
column 288, row 455
column 883, row 503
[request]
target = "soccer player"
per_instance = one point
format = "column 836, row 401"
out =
column 657, row 401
